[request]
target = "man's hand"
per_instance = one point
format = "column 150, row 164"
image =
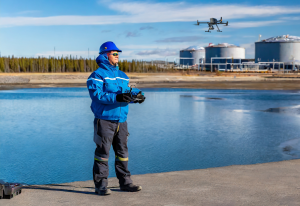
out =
column 125, row 97
column 141, row 98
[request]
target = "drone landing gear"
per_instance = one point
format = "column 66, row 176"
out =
column 218, row 29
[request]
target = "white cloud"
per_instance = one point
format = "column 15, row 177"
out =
column 153, row 46
column 184, row 12
column 147, row 12
column 79, row 54
column 132, row 51
column 160, row 52
column 248, row 24
column 156, row 54
column 249, row 49
column 248, row 46
column 181, row 39
column 59, row 20
column 295, row 18
column 145, row 52
column 128, row 54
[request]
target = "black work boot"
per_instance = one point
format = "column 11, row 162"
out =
column 131, row 188
column 102, row 191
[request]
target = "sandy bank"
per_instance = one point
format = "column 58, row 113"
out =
column 272, row 184
column 204, row 80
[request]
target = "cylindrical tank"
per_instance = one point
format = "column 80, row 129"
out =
column 191, row 55
column 224, row 50
column 283, row 48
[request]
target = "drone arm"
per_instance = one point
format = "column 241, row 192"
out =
column 226, row 24
column 198, row 23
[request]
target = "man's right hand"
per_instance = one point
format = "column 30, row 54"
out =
column 125, row 97
column 141, row 98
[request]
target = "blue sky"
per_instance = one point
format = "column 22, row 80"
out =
column 142, row 29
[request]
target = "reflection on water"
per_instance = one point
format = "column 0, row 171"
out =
column 215, row 98
column 46, row 134
column 288, row 110
column 291, row 148
column 241, row 110
column 202, row 98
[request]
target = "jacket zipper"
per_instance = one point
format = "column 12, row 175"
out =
column 120, row 102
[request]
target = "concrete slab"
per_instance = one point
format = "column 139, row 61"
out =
column 273, row 184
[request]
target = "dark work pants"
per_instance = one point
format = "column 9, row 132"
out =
column 107, row 133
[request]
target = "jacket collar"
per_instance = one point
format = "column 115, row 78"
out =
column 103, row 59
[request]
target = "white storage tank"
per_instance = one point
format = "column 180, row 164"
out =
column 192, row 55
column 224, row 50
column 283, row 48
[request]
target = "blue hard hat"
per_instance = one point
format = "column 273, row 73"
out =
column 108, row 46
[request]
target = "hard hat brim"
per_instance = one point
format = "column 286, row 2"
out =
column 118, row 50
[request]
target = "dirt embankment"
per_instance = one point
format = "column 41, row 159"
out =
column 13, row 80
column 204, row 80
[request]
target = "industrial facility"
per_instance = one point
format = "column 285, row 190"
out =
column 281, row 53
column 192, row 55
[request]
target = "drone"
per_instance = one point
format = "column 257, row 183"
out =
column 212, row 22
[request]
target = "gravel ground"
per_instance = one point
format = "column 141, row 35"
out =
column 13, row 80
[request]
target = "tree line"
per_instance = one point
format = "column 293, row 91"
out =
column 71, row 64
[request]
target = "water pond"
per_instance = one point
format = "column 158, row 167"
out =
column 46, row 134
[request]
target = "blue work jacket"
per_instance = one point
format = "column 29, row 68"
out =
column 104, row 84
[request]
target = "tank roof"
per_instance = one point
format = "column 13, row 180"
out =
column 282, row 38
column 193, row 48
column 222, row 45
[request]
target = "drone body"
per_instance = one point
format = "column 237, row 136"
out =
column 212, row 22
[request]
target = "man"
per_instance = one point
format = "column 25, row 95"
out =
column 110, row 94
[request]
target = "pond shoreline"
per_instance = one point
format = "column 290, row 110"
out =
column 196, row 80
column 220, row 84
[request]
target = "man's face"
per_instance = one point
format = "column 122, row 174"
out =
column 113, row 57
